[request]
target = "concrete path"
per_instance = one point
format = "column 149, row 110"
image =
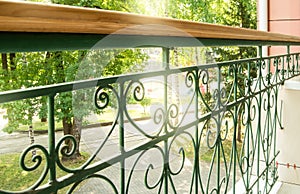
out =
column 289, row 188
column 92, row 139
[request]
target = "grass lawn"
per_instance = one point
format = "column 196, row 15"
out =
column 206, row 154
column 39, row 126
column 106, row 116
column 227, row 147
column 13, row 178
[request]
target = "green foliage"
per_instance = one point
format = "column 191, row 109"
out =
column 238, row 13
column 201, row 11
column 44, row 68
column 118, row 5
column 145, row 102
column 111, row 62
column 241, row 13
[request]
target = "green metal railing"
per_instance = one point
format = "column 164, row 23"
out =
column 187, row 149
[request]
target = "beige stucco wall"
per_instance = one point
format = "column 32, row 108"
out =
column 284, row 17
column 288, row 139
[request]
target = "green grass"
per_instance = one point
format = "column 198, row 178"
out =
column 106, row 116
column 227, row 147
column 39, row 126
column 13, row 178
column 206, row 154
column 110, row 115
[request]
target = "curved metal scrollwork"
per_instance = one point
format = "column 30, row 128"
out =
column 203, row 90
column 150, row 167
column 102, row 99
column 65, row 150
column 224, row 132
column 137, row 90
column 37, row 162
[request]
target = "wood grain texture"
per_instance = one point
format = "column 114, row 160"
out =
column 36, row 17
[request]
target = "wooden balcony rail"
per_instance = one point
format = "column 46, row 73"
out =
column 50, row 18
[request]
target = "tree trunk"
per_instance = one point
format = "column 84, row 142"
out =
column 67, row 129
column 31, row 137
column 12, row 57
column 72, row 128
column 4, row 61
column 77, row 126
column 239, row 128
column 43, row 120
column 46, row 82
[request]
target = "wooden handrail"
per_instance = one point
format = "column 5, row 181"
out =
column 51, row 18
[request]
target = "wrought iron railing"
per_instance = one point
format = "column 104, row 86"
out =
column 189, row 144
column 210, row 128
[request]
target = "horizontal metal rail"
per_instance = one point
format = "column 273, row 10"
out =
column 9, row 96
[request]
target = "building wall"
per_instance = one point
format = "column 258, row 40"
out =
column 284, row 17
column 288, row 138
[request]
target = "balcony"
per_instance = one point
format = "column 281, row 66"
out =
column 188, row 139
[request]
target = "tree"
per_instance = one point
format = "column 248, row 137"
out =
column 201, row 11
column 59, row 67
column 44, row 68
column 74, row 106
column 239, row 13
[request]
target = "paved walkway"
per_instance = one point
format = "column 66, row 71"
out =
column 93, row 137
column 289, row 188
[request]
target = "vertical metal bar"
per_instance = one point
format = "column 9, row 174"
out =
column 51, row 140
column 274, row 129
column 166, row 63
column 269, row 125
column 122, row 137
column 297, row 63
column 166, row 58
column 235, row 128
column 219, row 131
column 288, row 61
column 260, row 51
column 197, row 146
column 248, row 123
column 283, row 73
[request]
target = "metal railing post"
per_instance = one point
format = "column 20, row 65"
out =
column 260, row 75
column 166, row 65
column 51, row 140
column 122, row 137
